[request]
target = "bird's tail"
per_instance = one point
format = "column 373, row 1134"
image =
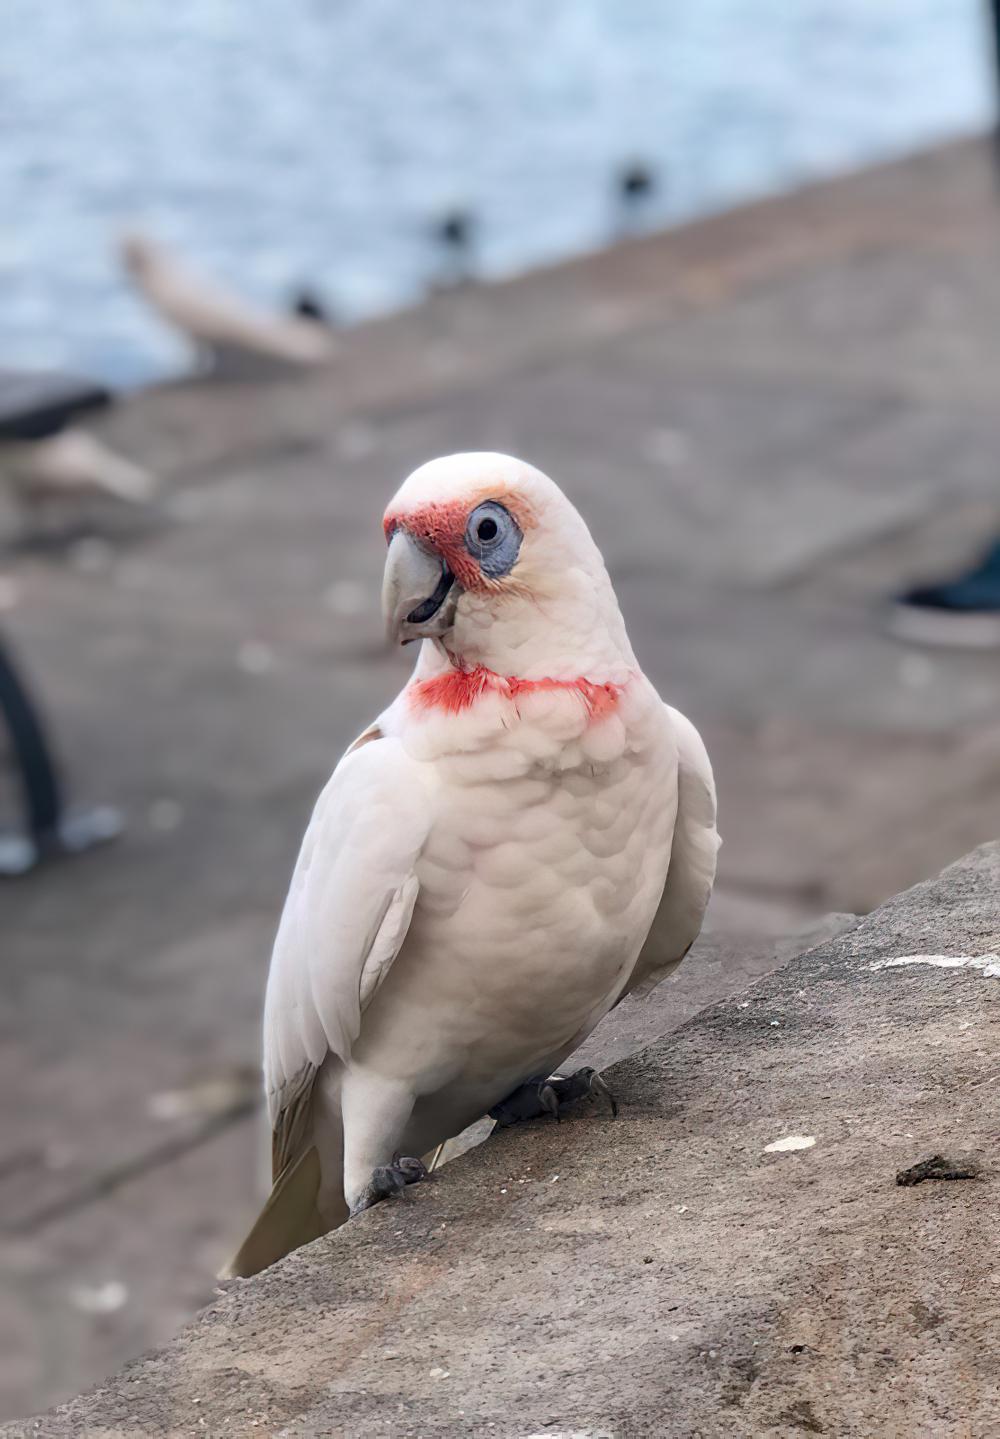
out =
column 306, row 1200
column 289, row 1219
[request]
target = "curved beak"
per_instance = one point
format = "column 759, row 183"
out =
column 419, row 592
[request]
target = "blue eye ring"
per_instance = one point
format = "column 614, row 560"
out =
column 493, row 538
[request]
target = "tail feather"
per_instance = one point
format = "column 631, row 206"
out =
column 289, row 1219
column 307, row 1196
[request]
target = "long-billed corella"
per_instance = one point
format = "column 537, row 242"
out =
column 524, row 836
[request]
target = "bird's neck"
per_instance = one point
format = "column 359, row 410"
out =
column 454, row 690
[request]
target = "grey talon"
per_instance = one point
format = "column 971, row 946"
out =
column 549, row 1100
column 411, row 1169
column 388, row 1180
column 539, row 1096
column 598, row 1089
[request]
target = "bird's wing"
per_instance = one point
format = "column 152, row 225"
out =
column 346, row 916
column 345, row 919
column 691, row 872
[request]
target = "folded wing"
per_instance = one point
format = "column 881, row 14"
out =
column 348, row 909
column 347, row 912
column 691, row 873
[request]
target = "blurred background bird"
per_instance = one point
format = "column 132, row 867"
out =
column 230, row 333
column 69, row 466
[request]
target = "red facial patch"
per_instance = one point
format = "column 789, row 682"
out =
column 441, row 526
column 458, row 690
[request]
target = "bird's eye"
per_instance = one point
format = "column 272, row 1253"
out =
column 492, row 537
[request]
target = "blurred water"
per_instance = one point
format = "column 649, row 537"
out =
column 275, row 142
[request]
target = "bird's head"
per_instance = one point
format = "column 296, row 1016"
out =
column 490, row 561
column 138, row 253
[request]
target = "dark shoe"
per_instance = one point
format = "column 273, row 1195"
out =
column 964, row 611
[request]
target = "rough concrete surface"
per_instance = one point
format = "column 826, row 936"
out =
column 770, row 419
column 669, row 1273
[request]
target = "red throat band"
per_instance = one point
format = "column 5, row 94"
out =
column 458, row 690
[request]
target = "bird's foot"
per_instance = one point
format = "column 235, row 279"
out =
column 548, row 1096
column 388, row 1180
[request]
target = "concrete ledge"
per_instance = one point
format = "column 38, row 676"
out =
column 669, row 1273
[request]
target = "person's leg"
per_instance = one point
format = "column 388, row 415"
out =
column 375, row 1114
column 48, row 828
column 36, row 768
column 962, row 609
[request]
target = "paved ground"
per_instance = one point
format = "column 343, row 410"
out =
column 769, row 419
column 733, row 1257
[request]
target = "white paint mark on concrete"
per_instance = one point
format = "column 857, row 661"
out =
column 915, row 672
column 989, row 964
column 573, row 1433
column 355, row 441
column 255, row 658
column 99, row 1298
column 790, row 1142
column 165, row 814
column 347, row 598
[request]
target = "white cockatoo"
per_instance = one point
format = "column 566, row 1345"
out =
column 70, row 466
column 524, row 836
column 217, row 320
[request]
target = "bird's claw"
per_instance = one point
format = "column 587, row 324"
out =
column 389, row 1180
column 599, row 1090
column 549, row 1100
column 412, row 1169
column 548, row 1096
